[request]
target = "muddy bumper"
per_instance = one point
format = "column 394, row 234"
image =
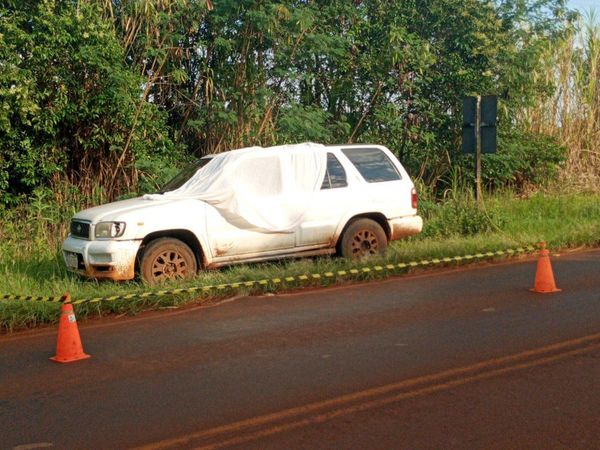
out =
column 111, row 260
column 401, row 227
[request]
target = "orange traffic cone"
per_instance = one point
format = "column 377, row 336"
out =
column 544, row 278
column 68, row 345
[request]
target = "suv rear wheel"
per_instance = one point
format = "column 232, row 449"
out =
column 167, row 259
column 363, row 237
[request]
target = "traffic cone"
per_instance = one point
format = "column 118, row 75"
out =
column 544, row 278
column 68, row 344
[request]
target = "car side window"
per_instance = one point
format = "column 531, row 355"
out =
column 372, row 164
column 335, row 175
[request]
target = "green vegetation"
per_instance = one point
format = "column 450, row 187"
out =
column 110, row 96
column 570, row 116
column 101, row 99
column 34, row 266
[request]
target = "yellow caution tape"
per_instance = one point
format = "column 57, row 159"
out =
column 30, row 298
column 275, row 281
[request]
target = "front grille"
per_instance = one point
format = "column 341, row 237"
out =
column 80, row 229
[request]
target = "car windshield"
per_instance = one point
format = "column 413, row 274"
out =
column 182, row 177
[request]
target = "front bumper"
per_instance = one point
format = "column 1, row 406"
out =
column 109, row 260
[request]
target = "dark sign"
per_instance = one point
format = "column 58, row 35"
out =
column 488, row 107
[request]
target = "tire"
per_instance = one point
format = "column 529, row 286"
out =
column 167, row 259
column 363, row 238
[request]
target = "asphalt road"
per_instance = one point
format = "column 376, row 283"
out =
column 463, row 358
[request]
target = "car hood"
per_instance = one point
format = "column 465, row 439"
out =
column 115, row 210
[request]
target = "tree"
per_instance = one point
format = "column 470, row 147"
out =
column 69, row 105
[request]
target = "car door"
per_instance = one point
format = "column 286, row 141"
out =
column 229, row 235
column 329, row 206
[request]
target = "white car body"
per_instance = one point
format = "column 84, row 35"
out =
column 218, row 240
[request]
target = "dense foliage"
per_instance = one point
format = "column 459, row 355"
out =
column 115, row 93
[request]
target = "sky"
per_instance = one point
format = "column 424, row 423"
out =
column 584, row 5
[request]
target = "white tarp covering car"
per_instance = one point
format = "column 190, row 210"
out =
column 251, row 204
column 268, row 188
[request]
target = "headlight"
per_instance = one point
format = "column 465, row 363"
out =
column 108, row 230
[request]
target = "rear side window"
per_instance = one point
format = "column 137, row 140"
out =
column 373, row 164
column 335, row 175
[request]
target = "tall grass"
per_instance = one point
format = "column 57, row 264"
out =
column 572, row 113
column 31, row 235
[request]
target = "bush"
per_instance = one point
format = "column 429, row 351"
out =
column 70, row 107
column 456, row 217
column 523, row 159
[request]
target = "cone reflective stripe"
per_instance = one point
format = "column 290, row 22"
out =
column 68, row 343
column 544, row 277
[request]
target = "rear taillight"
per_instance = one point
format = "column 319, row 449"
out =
column 414, row 198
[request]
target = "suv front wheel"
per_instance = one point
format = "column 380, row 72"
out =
column 167, row 259
column 363, row 237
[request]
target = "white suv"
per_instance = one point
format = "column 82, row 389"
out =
column 247, row 205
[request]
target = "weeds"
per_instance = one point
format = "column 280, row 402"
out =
column 31, row 263
column 572, row 114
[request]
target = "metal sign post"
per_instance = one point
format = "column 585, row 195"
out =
column 479, row 132
column 478, row 196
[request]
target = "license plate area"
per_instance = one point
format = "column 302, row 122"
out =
column 72, row 260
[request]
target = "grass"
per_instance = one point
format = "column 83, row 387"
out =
column 34, row 266
column 572, row 65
